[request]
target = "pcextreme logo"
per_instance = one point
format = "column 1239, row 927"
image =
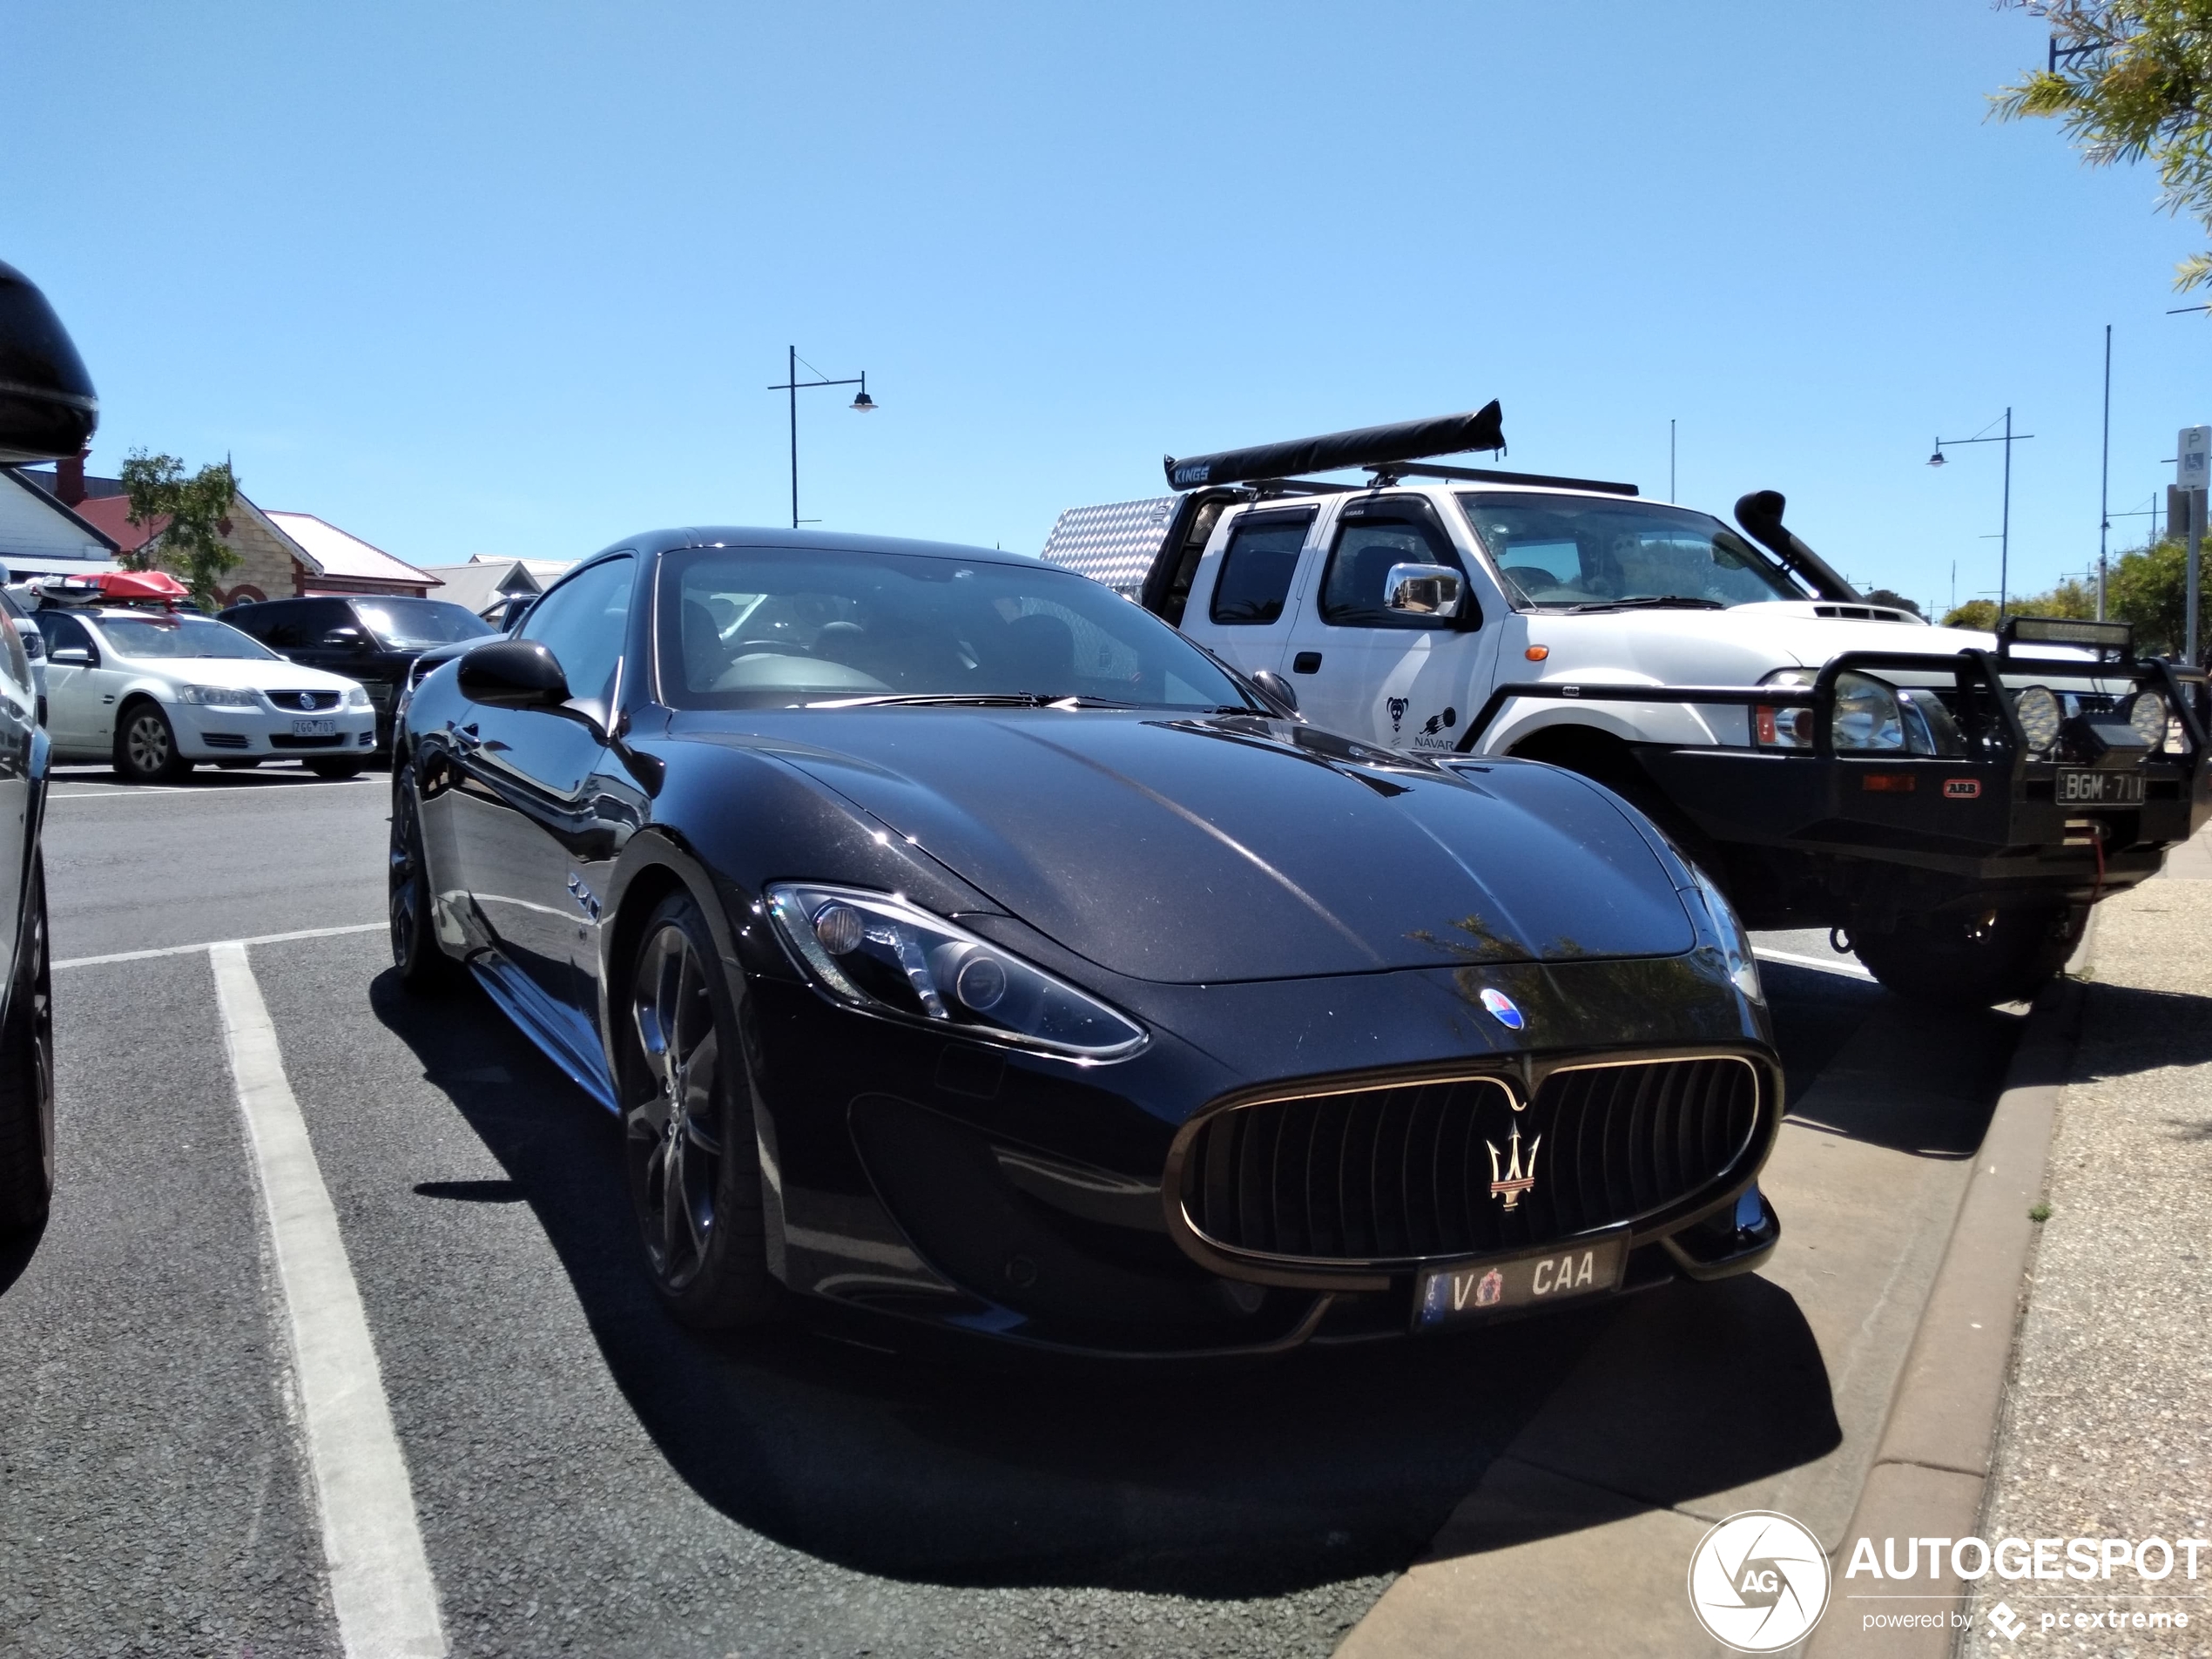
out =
column 1758, row 1581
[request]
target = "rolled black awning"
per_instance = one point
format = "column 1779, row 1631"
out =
column 1372, row 446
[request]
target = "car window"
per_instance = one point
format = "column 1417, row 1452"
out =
column 63, row 631
column 414, row 624
column 583, row 623
column 1371, row 538
column 1569, row 550
column 780, row 627
column 170, row 635
column 1257, row 568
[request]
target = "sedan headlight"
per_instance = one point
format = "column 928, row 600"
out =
column 357, row 697
column 218, row 697
column 1743, row 967
column 876, row 952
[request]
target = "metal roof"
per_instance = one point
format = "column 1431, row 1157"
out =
column 336, row 554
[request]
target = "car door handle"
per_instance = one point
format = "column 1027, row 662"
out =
column 465, row 738
column 1306, row 662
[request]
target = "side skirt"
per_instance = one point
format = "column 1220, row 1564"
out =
column 560, row 1033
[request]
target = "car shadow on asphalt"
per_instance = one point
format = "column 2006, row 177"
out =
column 970, row 1465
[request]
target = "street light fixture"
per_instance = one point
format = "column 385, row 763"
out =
column 2005, row 524
column 792, row 384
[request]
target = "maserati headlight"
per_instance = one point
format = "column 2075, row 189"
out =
column 1866, row 714
column 220, row 696
column 1735, row 944
column 876, row 952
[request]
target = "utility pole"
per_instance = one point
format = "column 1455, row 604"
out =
column 792, row 384
column 2192, row 471
column 1670, row 458
column 2104, row 480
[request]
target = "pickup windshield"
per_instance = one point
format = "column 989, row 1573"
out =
column 1572, row 553
column 820, row 628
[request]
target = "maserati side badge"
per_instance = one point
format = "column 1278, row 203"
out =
column 1502, row 1009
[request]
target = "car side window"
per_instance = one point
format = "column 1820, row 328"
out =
column 1257, row 568
column 62, row 631
column 1372, row 536
column 583, row 622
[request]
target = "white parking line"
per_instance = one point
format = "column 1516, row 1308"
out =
column 380, row 1587
column 1819, row 964
column 131, row 792
column 186, row 950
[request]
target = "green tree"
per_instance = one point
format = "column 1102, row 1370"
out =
column 2149, row 587
column 1891, row 597
column 2070, row 598
column 1975, row 613
column 2133, row 83
column 190, row 515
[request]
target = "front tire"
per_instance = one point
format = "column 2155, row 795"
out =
column 27, row 1075
column 145, row 747
column 1974, row 958
column 423, row 968
column 693, row 1160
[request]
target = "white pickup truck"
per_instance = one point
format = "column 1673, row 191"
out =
column 1955, row 803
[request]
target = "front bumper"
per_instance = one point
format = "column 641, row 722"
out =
column 210, row 732
column 990, row 1192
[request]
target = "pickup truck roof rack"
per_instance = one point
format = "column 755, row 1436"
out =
column 1391, row 473
column 1444, row 434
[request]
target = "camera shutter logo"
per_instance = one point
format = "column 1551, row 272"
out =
column 1758, row 1581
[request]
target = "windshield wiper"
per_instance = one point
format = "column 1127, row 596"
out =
column 1655, row 602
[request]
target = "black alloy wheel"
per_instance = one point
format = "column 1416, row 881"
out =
column 27, row 1074
column 1975, row 958
column 335, row 771
column 145, row 747
column 694, row 1163
column 422, row 967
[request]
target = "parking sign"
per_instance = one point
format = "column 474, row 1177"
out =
column 2193, row 457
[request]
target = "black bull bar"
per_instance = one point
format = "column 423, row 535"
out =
column 1991, row 816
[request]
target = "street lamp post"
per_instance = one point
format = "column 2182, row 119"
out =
column 2005, row 524
column 792, row 384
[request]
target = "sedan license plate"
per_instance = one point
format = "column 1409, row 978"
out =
column 1450, row 1296
column 2100, row 789
column 315, row 728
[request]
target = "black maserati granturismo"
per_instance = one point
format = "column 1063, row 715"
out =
column 957, row 941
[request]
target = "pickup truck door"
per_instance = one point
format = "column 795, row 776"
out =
column 1242, row 597
column 1389, row 676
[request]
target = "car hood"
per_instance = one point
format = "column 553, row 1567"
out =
column 1212, row 849
column 278, row 676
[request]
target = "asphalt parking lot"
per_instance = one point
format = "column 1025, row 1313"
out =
column 587, row 1478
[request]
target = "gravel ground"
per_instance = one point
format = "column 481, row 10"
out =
column 2108, row 1426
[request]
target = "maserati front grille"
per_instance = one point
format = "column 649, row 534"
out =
column 1452, row 1168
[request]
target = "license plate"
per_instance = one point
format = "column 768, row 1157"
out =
column 2101, row 788
column 1450, row 1296
column 315, row 728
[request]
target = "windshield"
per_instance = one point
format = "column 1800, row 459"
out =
column 412, row 624
column 779, row 627
column 1569, row 550
column 177, row 636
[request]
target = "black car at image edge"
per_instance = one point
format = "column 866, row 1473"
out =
column 373, row 638
column 955, row 941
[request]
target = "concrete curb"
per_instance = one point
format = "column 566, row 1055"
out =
column 1939, row 1443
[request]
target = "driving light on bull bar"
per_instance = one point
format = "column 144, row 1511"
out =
column 2039, row 716
column 2147, row 714
column 877, row 953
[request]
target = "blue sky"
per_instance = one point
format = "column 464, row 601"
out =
column 510, row 277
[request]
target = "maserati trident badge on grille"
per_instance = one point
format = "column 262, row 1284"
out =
column 1503, row 1009
column 1510, row 1183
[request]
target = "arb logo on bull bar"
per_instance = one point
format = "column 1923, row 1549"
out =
column 1758, row 1581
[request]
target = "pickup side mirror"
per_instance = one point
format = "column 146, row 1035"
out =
column 1423, row 590
column 74, row 656
column 347, row 638
column 513, row 674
